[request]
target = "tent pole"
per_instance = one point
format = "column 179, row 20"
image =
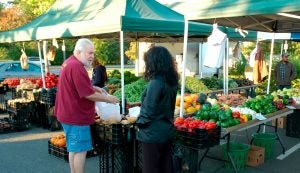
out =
column 200, row 60
column 224, row 74
column 63, row 48
column 42, row 70
column 45, row 56
column 137, row 62
column 122, row 70
column 227, row 64
column 270, row 64
column 185, row 40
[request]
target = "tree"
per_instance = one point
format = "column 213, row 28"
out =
column 34, row 8
column 131, row 52
column 108, row 52
column 11, row 18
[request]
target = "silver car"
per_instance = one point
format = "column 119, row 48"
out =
column 13, row 69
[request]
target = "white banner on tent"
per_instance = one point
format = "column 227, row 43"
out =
column 270, row 35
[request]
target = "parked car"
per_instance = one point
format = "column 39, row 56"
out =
column 13, row 69
column 36, row 60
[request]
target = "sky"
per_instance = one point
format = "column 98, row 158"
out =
column 4, row 1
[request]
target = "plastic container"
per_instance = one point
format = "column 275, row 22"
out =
column 265, row 140
column 238, row 152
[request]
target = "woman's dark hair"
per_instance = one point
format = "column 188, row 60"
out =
column 159, row 62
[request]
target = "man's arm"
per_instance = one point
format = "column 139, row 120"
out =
column 294, row 72
column 97, row 97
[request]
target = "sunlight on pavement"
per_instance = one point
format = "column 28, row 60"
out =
column 30, row 137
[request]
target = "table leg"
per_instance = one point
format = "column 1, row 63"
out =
column 204, row 155
column 228, row 153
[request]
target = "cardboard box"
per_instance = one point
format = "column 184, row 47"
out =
column 281, row 122
column 256, row 156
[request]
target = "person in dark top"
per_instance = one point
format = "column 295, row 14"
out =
column 99, row 76
column 285, row 72
column 155, row 122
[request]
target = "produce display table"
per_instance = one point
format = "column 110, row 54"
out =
column 244, row 126
column 249, row 90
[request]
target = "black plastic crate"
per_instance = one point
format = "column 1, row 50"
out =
column 24, row 106
column 199, row 138
column 293, row 124
column 115, row 133
column 14, row 93
column 62, row 152
column 185, row 159
column 6, row 125
column 116, row 158
column 3, row 103
column 46, row 118
column 48, row 97
column 3, row 88
column 59, row 152
column 138, row 157
column 20, row 119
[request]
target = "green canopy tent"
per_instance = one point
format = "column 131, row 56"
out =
column 267, row 15
column 259, row 15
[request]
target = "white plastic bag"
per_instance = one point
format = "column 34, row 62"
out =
column 134, row 111
column 108, row 111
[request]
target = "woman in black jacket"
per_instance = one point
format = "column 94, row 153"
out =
column 99, row 76
column 155, row 123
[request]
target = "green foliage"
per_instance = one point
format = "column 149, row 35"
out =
column 3, row 53
column 239, row 67
column 108, row 52
column 262, row 88
column 211, row 82
column 115, row 77
column 34, row 8
column 296, row 61
column 131, row 52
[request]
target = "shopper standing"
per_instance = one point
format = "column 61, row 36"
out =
column 99, row 76
column 75, row 103
column 155, row 123
column 285, row 72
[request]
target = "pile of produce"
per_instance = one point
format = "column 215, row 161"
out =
column 190, row 104
column 133, row 91
column 262, row 104
column 296, row 83
column 243, row 82
column 191, row 124
column 51, row 81
column 58, row 140
column 26, row 84
column 223, row 116
column 211, row 82
column 194, row 85
column 13, row 82
column 231, row 99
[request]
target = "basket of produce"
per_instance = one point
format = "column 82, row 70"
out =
column 116, row 133
column 196, row 133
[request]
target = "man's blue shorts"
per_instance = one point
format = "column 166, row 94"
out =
column 78, row 138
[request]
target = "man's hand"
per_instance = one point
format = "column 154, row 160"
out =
column 112, row 99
